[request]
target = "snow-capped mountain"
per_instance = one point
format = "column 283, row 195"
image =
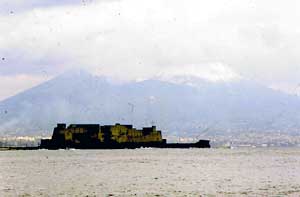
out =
column 193, row 74
column 189, row 107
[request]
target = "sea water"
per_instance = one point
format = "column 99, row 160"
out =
column 151, row 172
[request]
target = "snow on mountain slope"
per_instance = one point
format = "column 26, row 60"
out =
column 193, row 74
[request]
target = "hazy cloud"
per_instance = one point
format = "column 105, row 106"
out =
column 17, row 6
column 137, row 38
column 18, row 83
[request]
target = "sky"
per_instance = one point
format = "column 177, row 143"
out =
column 137, row 39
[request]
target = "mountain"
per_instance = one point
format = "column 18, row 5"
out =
column 179, row 106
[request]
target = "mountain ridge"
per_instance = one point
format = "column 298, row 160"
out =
column 176, row 108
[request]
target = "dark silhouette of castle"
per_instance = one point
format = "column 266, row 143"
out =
column 94, row 136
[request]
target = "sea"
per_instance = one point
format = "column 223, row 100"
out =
column 151, row 172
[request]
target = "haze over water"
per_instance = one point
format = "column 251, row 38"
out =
column 151, row 172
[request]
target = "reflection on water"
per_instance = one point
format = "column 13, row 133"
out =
column 151, row 172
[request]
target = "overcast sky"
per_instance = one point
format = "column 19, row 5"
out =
column 129, row 39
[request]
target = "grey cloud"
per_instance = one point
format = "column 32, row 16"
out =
column 17, row 6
